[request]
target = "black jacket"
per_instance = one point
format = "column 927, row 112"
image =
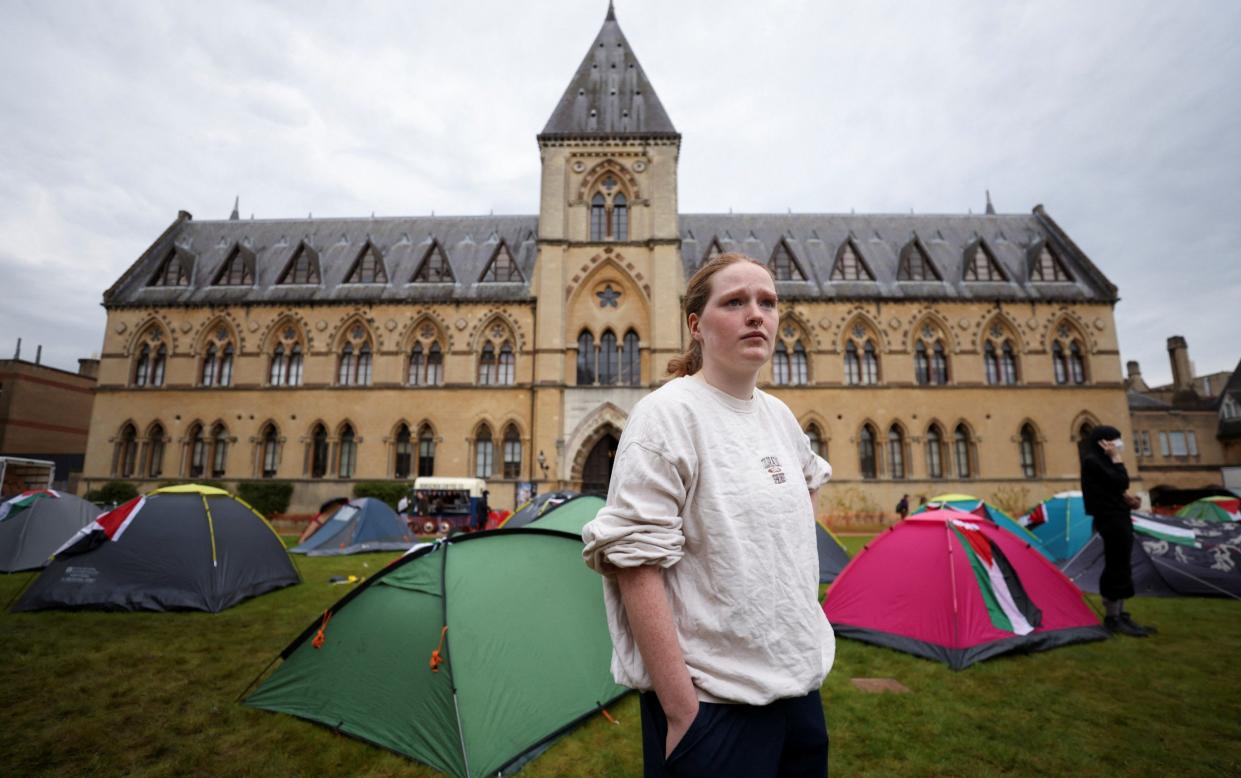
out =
column 1103, row 487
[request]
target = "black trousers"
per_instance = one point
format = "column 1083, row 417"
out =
column 787, row 738
column 1116, row 581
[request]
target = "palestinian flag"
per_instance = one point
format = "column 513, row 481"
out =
column 1008, row 606
column 109, row 526
column 1034, row 518
column 24, row 500
column 1182, row 536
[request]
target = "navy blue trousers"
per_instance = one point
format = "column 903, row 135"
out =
column 787, row 738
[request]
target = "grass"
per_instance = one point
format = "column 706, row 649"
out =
column 153, row 694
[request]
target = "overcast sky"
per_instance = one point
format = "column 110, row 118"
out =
column 1122, row 118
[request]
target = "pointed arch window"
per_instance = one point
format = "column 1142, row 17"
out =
column 487, row 364
column 609, row 211
column 849, row 265
column 158, row 363
column 1008, row 363
column 508, row 365
column 870, row 363
column 934, row 452
column 127, row 452
column 368, row 267
column 497, row 362
column 866, row 452
column 922, row 364
column 815, row 437
column 607, row 358
column 930, row 358
column 484, row 452
column 1000, row 357
column 1028, row 451
column 208, row 371
column 784, row 265
column 1059, row 363
column 197, row 445
column 404, row 452
column 270, row 454
column 285, row 368
column 630, row 359
column 620, row 216
column 780, row 366
column 426, row 357
column 853, row 364
column 303, row 267
column 155, row 451
column 598, row 217
column 434, row 267
column 585, row 358
column 800, row 367
column 217, row 364
column 354, row 367
column 426, row 451
column 142, row 366
column 512, row 452
column 219, row 450
column 962, row 449
column 347, row 460
column 896, row 452
column 939, row 364
column 991, row 361
column 1077, row 363
column 318, row 451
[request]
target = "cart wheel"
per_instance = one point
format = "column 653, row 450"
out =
column 428, row 527
column 445, row 526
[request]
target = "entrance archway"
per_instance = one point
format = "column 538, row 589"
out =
column 597, row 469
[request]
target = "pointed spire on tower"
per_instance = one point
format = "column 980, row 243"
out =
column 990, row 207
column 609, row 94
column 234, row 216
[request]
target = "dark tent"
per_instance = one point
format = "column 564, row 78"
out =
column 185, row 547
column 361, row 525
column 470, row 654
column 535, row 508
column 1171, row 556
column 34, row 524
column 832, row 555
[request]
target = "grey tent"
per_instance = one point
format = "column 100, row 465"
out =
column 832, row 555
column 187, row 547
column 36, row 523
column 360, row 525
column 535, row 508
column 1171, row 557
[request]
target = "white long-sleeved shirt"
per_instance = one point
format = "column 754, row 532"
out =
column 714, row 490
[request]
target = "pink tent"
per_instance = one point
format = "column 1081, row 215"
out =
column 948, row 586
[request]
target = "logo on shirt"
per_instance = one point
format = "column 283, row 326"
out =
column 773, row 469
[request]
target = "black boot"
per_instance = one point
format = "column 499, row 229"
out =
column 1148, row 629
column 1122, row 626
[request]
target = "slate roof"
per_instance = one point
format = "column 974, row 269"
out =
column 609, row 95
column 1143, row 402
column 1015, row 241
column 468, row 242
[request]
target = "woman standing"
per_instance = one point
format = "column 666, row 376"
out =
column 1104, row 481
column 708, row 551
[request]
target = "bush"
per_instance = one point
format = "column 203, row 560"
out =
column 112, row 492
column 390, row 492
column 267, row 497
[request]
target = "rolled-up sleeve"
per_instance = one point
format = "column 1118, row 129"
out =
column 641, row 523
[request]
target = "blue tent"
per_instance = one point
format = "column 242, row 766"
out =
column 364, row 524
column 1061, row 523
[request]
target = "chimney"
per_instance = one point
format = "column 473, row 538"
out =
column 1134, row 380
column 18, row 354
column 88, row 367
column 38, row 354
column 1178, row 354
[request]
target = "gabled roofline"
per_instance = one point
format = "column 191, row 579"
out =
column 182, row 217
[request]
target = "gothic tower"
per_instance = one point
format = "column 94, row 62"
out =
column 609, row 275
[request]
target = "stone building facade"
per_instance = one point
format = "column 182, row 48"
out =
column 922, row 353
column 45, row 413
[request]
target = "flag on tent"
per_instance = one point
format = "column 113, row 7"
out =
column 1008, row 605
column 24, row 500
column 1213, row 509
column 107, row 526
column 36, row 523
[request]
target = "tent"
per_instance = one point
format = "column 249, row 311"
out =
column 187, row 547
column 361, row 525
column 534, row 508
column 470, row 654
column 832, row 555
column 1171, row 556
column 35, row 523
column 570, row 515
column 1061, row 524
column 970, row 504
column 325, row 512
column 944, row 585
column 1213, row 509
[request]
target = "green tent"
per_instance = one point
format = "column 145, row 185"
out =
column 1213, row 509
column 570, row 515
column 469, row 655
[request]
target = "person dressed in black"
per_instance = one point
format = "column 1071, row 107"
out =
column 902, row 507
column 1104, row 484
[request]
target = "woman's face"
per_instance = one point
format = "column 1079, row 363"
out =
column 737, row 327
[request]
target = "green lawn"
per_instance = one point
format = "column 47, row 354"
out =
column 155, row 694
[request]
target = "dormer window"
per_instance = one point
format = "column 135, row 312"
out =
column 1047, row 266
column 238, row 269
column 915, row 264
column 502, row 266
column 849, row 264
column 434, row 268
column 173, row 271
column 980, row 265
column 784, row 265
column 368, row 268
column 303, row 267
